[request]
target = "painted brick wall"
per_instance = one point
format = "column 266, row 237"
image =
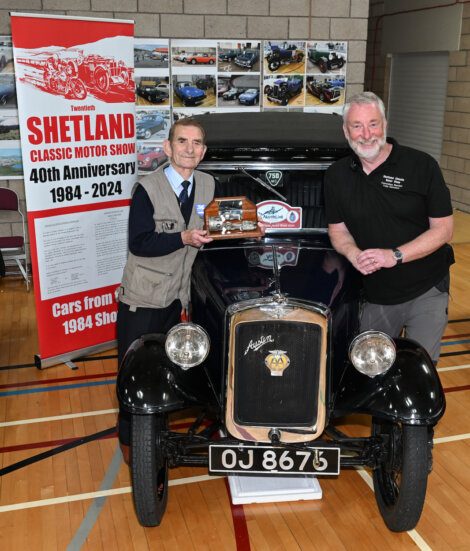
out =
column 275, row 19
column 455, row 158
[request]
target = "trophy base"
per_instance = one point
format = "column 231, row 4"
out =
column 232, row 234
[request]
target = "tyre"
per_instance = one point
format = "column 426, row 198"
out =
column 274, row 65
column 211, row 62
column 322, row 97
column 285, row 101
column 149, row 467
column 147, row 134
column 268, row 89
column 322, row 66
column 400, row 479
column 154, row 165
column 193, row 62
column 102, row 79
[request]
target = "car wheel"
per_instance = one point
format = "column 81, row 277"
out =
column 340, row 62
column 77, row 89
column 211, row 62
column 268, row 89
column 149, row 467
column 3, row 100
column 322, row 97
column 193, row 62
column 3, row 62
column 322, row 66
column 102, row 79
column 285, row 101
column 147, row 134
column 154, row 165
column 400, row 479
column 274, row 65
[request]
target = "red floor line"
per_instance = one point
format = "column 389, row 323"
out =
column 456, row 388
column 62, row 380
column 49, row 444
column 242, row 538
column 54, row 443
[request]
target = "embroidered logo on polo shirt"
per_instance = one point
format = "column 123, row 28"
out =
column 392, row 182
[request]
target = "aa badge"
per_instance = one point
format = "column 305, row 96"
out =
column 277, row 361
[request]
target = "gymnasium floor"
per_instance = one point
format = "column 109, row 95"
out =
column 80, row 498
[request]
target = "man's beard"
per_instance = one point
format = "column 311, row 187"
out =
column 368, row 153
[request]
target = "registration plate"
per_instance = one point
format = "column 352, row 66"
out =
column 273, row 460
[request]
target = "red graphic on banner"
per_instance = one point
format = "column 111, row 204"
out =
column 73, row 75
column 66, row 32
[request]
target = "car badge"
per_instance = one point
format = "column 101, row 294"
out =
column 273, row 177
column 277, row 361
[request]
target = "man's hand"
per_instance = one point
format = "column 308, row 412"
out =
column 195, row 238
column 371, row 260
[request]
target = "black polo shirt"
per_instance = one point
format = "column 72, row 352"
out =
column 387, row 208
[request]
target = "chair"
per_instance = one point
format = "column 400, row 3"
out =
column 13, row 248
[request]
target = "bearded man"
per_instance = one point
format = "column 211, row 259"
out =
column 389, row 213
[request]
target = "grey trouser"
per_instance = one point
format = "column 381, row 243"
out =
column 423, row 319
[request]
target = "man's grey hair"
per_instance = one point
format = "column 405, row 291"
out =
column 363, row 98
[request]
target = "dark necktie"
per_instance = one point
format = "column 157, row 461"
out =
column 183, row 197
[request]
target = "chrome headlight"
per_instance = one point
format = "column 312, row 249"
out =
column 372, row 353
column 187, row 345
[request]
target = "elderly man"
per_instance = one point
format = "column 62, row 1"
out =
column 389, row 212
column 165, row 232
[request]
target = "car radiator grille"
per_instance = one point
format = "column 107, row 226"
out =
column 286, row 400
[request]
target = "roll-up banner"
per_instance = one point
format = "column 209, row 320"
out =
column 76, row 103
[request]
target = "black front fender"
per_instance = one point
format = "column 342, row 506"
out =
column 148, row 382
column 410, row 392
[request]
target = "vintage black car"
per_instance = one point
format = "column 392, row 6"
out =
column 272, row 357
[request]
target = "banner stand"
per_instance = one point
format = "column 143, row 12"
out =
column 73, row 355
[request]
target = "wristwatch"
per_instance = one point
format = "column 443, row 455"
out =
column 398, row 255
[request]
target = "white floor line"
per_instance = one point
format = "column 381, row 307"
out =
column 455, row 438
column 421, row 544
column 58, row 417
column 108, row 411
column 93, row 495
column 453, row 368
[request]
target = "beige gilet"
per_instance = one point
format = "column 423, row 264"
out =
column 155, row 282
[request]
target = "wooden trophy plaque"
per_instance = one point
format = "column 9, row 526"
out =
column 231, row 218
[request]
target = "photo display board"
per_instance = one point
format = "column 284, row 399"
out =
column 185, row 77
column 179, row 78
